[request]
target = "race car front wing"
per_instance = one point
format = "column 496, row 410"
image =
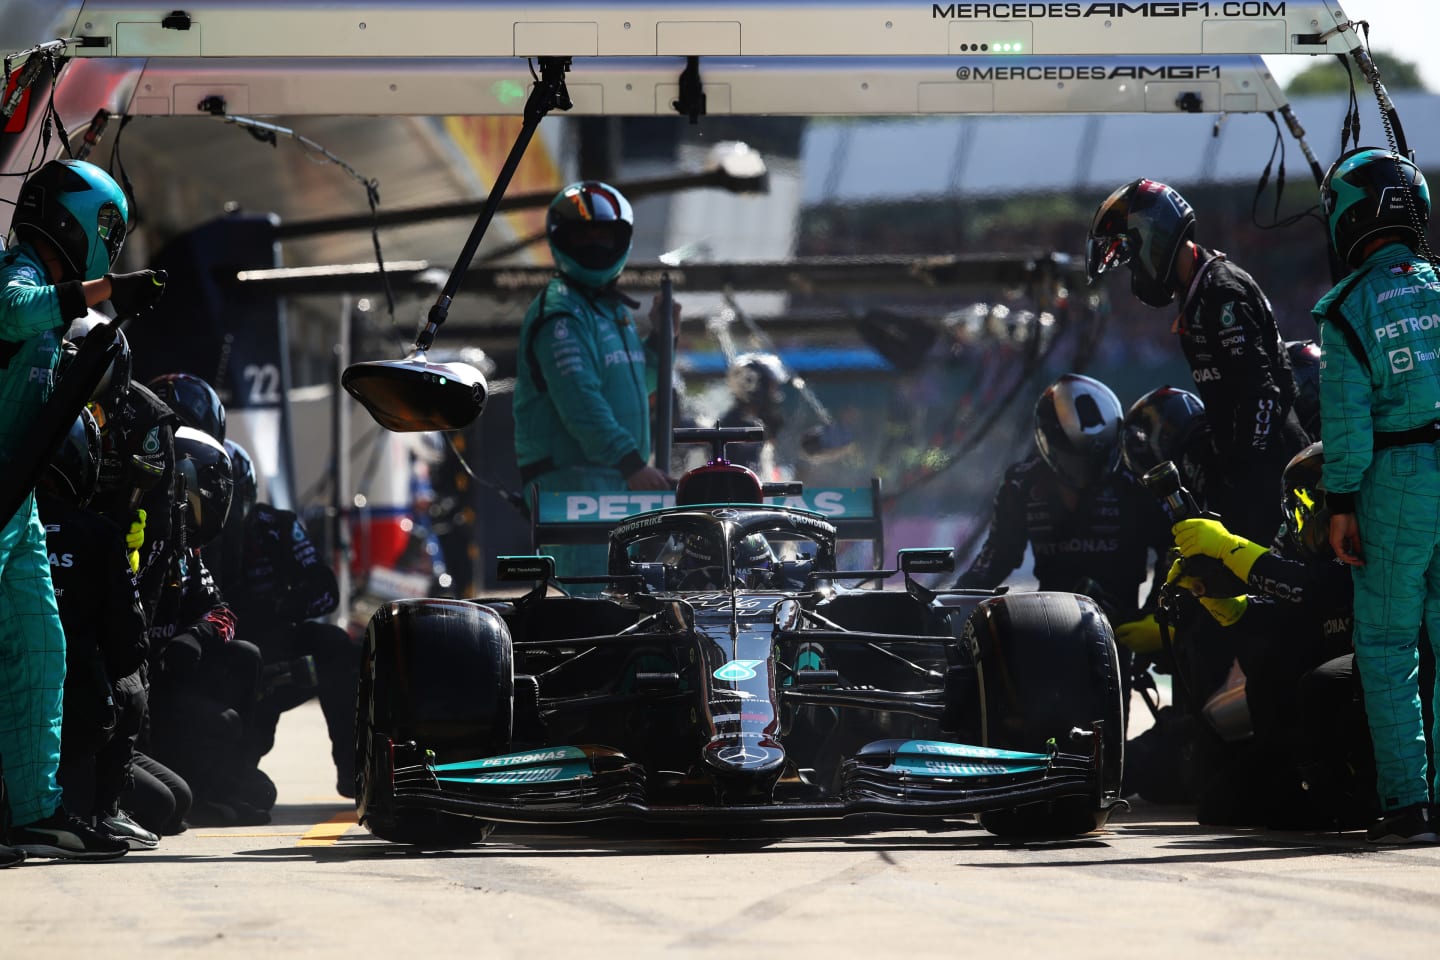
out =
column 901, row 778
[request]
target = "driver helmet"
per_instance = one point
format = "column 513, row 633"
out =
column 590, row 226
column 204, row 467
column 115, row 382
column 74, row 472
column 1305, row 362
column 1143, row 224
column 1364, row 195
column 703, row 550
column 194, row 401
column 1306, row 525
column 754, row 560
column 1165, row 424
column 1077, row 430
column 245, row 490
column 80, row 210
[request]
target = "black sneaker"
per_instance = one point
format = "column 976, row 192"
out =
column 64, row 836
column 119, row 826
column 1412, row 824
column 9, row 856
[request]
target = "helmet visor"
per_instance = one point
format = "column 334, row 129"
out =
column 110, row 227
column 593, row 244
column 1109, row 244
column 1106, row 253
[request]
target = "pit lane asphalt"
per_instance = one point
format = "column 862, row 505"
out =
column 312, row 884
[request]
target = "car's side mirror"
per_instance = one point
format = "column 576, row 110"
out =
column 927, row 560
column 540, row 568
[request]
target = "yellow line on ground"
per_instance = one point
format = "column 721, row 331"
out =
column 325, row 834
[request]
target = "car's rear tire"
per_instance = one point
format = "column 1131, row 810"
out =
column 1046, row 662
column 439, row 673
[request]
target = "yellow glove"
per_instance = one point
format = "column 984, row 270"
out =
column 134, row 539
column 1142, row 636
column 1225, row 610
column 1210, row 538
column 1184, row 581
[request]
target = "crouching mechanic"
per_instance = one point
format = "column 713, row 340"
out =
column 204, row 681
column 69, row 221
column 1311, row 766
column 105, row 644
column 278, row 584
column 1089, row 523
column 1379, row 397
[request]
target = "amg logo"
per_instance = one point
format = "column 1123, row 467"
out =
column 1130, row 72
column 1055, row 11
column 1384, row 295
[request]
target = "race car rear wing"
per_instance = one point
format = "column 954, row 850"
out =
column 585, row 516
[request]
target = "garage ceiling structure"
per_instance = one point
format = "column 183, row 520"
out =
column 370, row 82
column 366, row 75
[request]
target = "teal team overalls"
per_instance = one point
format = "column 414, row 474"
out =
column 1379, row 395
column 32, row 644
column 582, row 407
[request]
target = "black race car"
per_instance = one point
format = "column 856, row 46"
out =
column 729, row 673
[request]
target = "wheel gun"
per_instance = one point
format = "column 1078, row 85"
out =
column 1163, row 481
column 142, row 475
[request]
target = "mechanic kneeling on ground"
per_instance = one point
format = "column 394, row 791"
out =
column 205, row 681
column 1311, row 765
column 275, row 580
column 105, row 643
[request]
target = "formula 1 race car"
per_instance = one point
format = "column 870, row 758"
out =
column 728, row 673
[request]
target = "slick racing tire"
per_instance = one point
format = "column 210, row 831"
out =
column 1047, row 663
column 440, row 674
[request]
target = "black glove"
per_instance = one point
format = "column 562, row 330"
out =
column 132, row 292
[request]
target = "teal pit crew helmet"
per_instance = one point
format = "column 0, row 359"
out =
column 80, row 210
column 1363, row 196
column 590, row 226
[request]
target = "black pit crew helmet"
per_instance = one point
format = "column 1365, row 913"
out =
column 756, row 381
column 204, row 469
column 1369, row 192
column 79, row 210
column 590, row 225
column 194, row 401
column 1306, row 525
column 1143, row 224
column 74, row 472
column 1305, row 362
column 1077, row 430
column 115, row 382
column 246, row 489
column 1165, row 424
